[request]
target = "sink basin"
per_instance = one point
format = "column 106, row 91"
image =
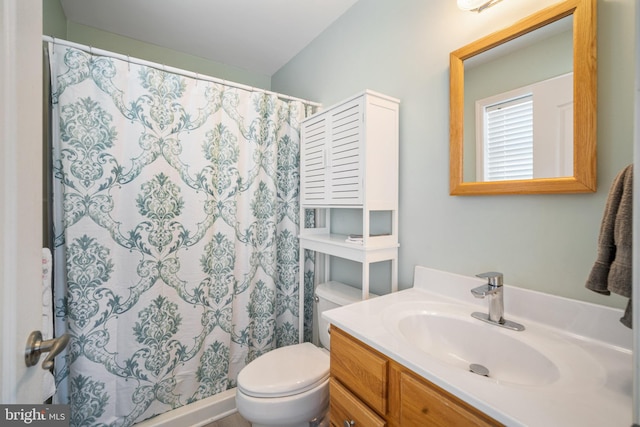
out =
column 463, row 342
column 448, row 333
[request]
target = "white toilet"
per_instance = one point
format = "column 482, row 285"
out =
column 289, row 386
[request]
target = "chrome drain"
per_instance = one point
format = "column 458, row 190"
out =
column 479, row 369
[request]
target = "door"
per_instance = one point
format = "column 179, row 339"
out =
column 313, row 160
column 345, row 154
column 331, row 156
column 20, row 195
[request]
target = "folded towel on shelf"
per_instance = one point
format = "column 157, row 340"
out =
column 359, row 239
column 355, row 238
column 612, row 270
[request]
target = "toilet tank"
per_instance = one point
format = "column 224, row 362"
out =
column 333, row 295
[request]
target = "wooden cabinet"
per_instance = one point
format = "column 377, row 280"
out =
column 349, row 160
column 362, row 370
column 346, row 407
column 424, row 404
column 372, row 390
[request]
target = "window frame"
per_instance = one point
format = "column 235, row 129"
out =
column 484, row 108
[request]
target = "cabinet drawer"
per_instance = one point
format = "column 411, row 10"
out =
column 345, row 409
column 423, row 404
column 361, row 369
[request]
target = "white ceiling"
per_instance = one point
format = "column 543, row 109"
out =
column 256, row 35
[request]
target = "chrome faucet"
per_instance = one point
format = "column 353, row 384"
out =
column 494, row 291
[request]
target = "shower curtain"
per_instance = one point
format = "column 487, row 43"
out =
column 175, row 221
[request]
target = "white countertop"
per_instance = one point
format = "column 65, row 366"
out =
column 601, row 396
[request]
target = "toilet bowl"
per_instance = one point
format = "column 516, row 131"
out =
column 289, row 386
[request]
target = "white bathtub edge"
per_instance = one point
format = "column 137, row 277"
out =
column 197, row 414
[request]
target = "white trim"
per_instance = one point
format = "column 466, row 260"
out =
column 170, row 69
column 480, row 111
column 635, row 322
column 21, row 196
column 8, row 197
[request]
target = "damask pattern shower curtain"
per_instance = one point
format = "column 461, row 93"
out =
column 176, row 221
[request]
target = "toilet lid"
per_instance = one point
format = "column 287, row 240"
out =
column 285, row 371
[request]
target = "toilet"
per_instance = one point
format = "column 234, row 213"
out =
column 289, row 386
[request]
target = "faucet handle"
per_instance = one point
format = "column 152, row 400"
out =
column 494, row 278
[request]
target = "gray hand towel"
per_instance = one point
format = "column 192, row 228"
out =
column 612, row 271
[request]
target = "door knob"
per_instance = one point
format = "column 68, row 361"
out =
column 36, row 346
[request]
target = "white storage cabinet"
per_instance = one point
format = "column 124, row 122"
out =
column 349, row 159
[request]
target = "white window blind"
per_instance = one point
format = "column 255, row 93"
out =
column 509, row 140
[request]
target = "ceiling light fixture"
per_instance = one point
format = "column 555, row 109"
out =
column 476, row 5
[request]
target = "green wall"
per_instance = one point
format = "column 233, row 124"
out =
column 55, row 24
column 401, row 48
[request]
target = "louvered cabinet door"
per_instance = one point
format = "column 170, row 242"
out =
column 314, row 160
column 345, row 159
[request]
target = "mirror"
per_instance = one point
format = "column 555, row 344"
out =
column 482, row 77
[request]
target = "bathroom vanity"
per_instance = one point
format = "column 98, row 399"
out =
column 404, row 359
column 368, row 388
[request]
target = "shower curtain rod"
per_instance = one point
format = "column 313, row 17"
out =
column 174, row 70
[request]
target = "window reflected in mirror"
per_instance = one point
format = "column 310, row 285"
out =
column 519, row 107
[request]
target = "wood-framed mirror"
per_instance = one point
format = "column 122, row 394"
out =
column 578, row 173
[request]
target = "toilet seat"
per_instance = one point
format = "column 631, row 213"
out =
column 285, row 371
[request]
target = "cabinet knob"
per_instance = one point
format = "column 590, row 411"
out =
column 348, row 423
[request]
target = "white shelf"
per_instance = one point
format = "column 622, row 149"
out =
column 378, row 248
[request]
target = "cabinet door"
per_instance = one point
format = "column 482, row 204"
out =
column 346, row 152
column 360, row 368
column 314, row 160
column 422, row 404
column 348, row 410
